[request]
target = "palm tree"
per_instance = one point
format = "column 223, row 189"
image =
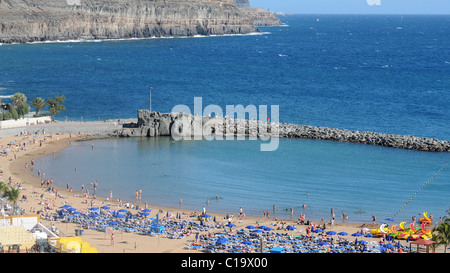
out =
column 3, row 188
column 12, row 194
column 19, row 98
column 441, row 233
column 38, row 103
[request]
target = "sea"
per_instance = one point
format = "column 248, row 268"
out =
column 380, row 73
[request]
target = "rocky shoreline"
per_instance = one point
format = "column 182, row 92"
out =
column 150, row 124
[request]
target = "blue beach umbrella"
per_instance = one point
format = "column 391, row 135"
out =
column 318, row 230
column 144, row 213
column 206, row 215
column 122, row 210
column 93, row 209
column 389, row 219
column 389, row 246
column 331, row 232
column 291, row 228
column 105, row 207
column 342, row 233
column 222, row 240
column 71, row 209
column 363, row 242
column 230, row 225
column 356, row 234
column 65, row 207
column 250, row 227
column 369, row 235
column 257, row 231
column 119, row 215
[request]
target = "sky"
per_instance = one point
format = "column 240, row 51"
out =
column 355, row 6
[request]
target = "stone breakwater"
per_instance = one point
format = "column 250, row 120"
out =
column 150, row 124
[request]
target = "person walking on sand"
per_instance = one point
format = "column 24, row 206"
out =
column 112, row 239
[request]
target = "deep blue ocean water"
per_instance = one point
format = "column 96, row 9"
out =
column 378, row 73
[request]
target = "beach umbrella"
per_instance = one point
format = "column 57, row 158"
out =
column 276, row 250
column 144, row 213
column 257, row 231
column 389, row 219
column 122, row 210
column 291, row 228
column 71, row 209
column 369, row 235
column 356, row 234
column 206, row 215
column 222, row 240
column 119, row 215
column 93, row 209
column 105, row 207
column 331, row 232
column 342, row 233
column 76, row 212
column 65, row 207
column 250, row 227
column 363, row 242
column 389, row 246
column 230, row 225
column 318, row 230
column 95, row 215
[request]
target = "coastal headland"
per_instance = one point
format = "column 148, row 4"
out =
column 62, row 20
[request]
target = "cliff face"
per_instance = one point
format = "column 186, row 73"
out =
column 37, row 20
column 260, row 17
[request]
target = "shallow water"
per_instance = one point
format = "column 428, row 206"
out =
column 321, row 174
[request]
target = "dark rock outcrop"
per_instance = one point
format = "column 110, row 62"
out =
column 181, row 125
column 36, row 20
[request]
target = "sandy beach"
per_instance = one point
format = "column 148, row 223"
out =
column 17, row 169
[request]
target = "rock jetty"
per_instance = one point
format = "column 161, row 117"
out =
column 150, row 124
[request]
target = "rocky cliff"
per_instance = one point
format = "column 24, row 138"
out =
column 37, row 20
column 260, row 17
column 152, row 124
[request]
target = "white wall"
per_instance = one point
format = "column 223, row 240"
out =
column 23, row 122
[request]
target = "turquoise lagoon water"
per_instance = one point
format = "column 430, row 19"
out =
column 321, row 174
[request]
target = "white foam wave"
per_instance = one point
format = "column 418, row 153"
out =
column 146, row 38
